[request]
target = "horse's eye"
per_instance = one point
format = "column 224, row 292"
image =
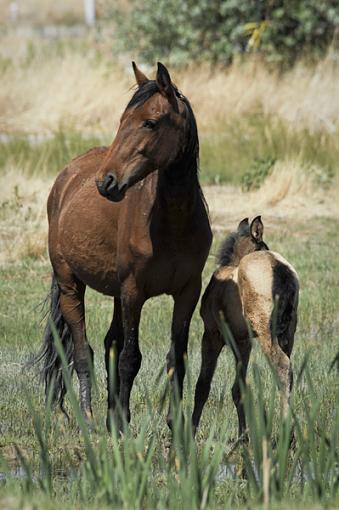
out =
column 150, row 123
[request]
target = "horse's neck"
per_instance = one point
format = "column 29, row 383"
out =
column 177, row 193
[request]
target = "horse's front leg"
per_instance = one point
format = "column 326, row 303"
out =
column 130, row 358
column 114, row 342
column 184, row 305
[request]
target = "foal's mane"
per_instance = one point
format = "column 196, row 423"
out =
column 227, row 247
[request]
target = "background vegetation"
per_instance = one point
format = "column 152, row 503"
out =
column 221, row 30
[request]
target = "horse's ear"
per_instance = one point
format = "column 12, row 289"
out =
column 257, row 229
column 164, row 83
column 139, row 75
column 243, row 224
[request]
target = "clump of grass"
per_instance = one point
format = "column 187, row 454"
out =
column 257, row 174
column 45, row 155
column 288, row 179
column 240, row 151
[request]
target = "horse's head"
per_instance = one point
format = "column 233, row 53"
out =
column 250, row 237
column 150, row 136
column 247, row 239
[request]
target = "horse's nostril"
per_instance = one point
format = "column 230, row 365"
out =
column 109, row 181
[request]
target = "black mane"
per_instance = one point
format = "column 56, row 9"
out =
column 227, row 247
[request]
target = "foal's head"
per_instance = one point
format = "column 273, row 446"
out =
column 247, row 239
column 152, row 135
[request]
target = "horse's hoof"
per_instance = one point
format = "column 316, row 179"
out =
column 115, row 422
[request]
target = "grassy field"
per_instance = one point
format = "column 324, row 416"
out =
column 311, row 247
column 278, row 133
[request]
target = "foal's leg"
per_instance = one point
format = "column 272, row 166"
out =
column 114, row 342
column 184, row 305
column 283, row 367
column 242, row 356
column 130, row 357
column 282, row 364
column 212, row 343
column 73, row 309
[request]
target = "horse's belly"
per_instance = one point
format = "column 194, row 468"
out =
column 86, row 240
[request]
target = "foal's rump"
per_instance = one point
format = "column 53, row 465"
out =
column 285, row 291
column 269, row 288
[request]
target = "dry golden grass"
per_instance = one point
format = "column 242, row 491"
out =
column 43, row 11
column 23, row 219
column 291, row 191
column 305, row 97
column 64, row 91
column 48, row 90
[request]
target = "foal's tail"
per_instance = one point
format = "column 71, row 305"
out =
column 51, row 372
column 284, row 317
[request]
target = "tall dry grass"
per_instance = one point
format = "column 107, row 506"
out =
column 305, row 97
column 41, row 12
column 23, row 219
column 43, row 88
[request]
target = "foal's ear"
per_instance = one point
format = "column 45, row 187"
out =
column 164, row 83
column 257, row 229
column 243, row 224
column 139, row 75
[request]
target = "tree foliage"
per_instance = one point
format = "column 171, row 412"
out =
column 218, row 30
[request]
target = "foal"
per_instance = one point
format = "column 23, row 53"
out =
column 252, row 286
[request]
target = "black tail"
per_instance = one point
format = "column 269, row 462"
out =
column 51, row 372
column 284, row 316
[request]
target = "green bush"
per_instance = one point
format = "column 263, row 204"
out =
column 257, row 173
column 216, row 30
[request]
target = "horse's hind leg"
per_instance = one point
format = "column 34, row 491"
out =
column 281, row 363
column 283, row 368
column 212, row 343
column 73, row 310
column 241, row 351
column 114, row 342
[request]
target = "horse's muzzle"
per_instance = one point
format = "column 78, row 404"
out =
column 111, row 189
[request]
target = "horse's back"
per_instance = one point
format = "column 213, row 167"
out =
column 267, row 280
column 263, row 273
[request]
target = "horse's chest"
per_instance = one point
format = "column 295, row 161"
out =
column 166, row 275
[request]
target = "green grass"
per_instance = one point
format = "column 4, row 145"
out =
column 182, row 476
column 226, row 155
column 229, row 153
column 45, row 156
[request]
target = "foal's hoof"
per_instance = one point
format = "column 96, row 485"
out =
column 89, row 422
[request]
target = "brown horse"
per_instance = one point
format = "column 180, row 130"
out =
column 252, row 287
column 130, row 221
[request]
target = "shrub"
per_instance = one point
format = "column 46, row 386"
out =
column 217, row 30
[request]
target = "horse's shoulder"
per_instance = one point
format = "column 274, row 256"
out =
column 224, row 273
column 79, row 169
